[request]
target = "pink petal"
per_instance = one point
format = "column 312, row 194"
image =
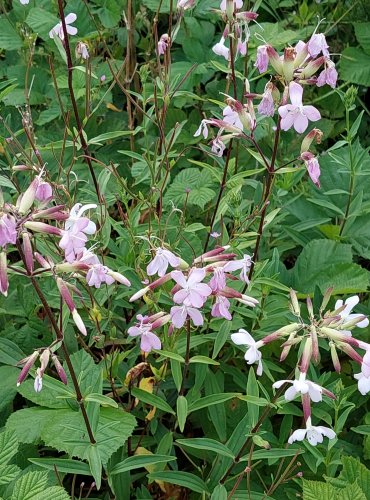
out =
column 312, row 113
column 179, row 277
column 300, row 123
column 196, row 316
column 70, row 18
column 195, row 276
column 178, row 316
column 153, row 266
column 180, row 296
column 287, row 121
column 295, row 93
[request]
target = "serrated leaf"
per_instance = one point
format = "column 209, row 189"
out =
column 8, row 446
column 9, row 37
column 8, row 473
column 54, row 493
column 30, row 485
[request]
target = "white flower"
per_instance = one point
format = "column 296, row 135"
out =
column 244, row 264
column 24, row 2
column 58, row 28
column 220, row 49
column 301, row 386
column 346, row 315
column 314, row 434
column 161, row 261
column 364, row 376
column 38, row 381
column 253, row 355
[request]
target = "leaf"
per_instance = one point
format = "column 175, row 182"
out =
column 355, row 66
column 191, row 185
column 152, row 400
column 10, row 353
column 8, row 446
column 8, row 387
column 65, row 465
column 213, row 399
column 54, row 492
column 203, row 359
column 182, row 411
column 221, row 338
column 30, row 485
column 312, row 490
column 362, row 31
column 354, row 470
column 206, row 444
column 108, row 136
column 171, row 355
column 185, row 479
column 8, row 473
column 102, row 400
column 9, row 37
column 93, row 456
column 41, row 21
column 219, row 493
column 139, row 461
column 273, row 454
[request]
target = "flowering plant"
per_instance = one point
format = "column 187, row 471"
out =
column 184, row 257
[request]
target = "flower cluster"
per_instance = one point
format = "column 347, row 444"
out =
column 191, row 293
column 333, row 326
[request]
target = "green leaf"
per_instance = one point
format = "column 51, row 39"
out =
column 272, row 454
column 182, row 411
column 8, row 473
column 191, row 185
column 54, row 492
column 185, row 479
column 102, row 400
column 41, row 21
column 170, row 355
column 30, row 485
column 206, row 444
column 8, row 446
column 221, row 338
column 151, row 399
column 108, row 136
column 65, row 465
column 362, row 31
column 93, row 456
column 139, row 461
column 213, row 399
column 355, row 66
column 361, row 429
column 10, row 353
column 8, row 387
column 204, row 360
column 9, row 37
column 219, row 493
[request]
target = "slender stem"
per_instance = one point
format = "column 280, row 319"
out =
column 60, row 337
column 187, row 358
column 84, row 145
column 220, row 193
column 352, row 178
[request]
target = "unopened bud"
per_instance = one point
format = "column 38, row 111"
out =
column 41, row 227
column 295, row 304
column 4, row 282
column 139, row 294
column 288, row 64
column 27, row 250
column 21, row 168
column 119, row 277
column 60, row 370
column 161, row 321
column 314, row 135
column 274, row 59
column 78, row 322
column 42, row 261
column 352, row 323
column 310, row 308
column 306, row 356
column 28, row 197
column 315, row 344
column 29, row 362
column 328, row 292
column 312, row 67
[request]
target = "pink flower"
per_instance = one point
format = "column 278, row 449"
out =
column 193, row 293
column 218, row 280
column 244, row 264
column 202, row 129
column 220, row 49
column 296, row 115
column 313, row 167
column 262, row 60
column 58, row 28
column 161, row 261
column 364, row 376
column 8, row 232
column 44, row 192
column 82, row 51
column 148, row 339
column 97, row 275
column 328, row 76
column 76, row 214
column 267, row 107
column 237, row 3
column 317, row 44
column 163, row 44
column 220, row 308
column 346, row 314
column 73, row 241
column 179, row 315
column 232, row 117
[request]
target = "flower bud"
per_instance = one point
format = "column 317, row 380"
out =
column 27, row 250
column 139, row 294
column 28, row 364
column 74, row 267
column 44, row 360
column 294, row 303
column 44, row 192
column 288, row 64
column 42, row 261
column 306, row 356
column 310, row 308
column 350, row 351
column 78, row 322
column 161, row 321
column 28, row 197
column 41, row 227
column 274, row 59
column 60, row 370
column 315, row 344
column 4, row 283
column 66, row 296
column 21, row 168
column 119, row 277
column 352, row 323
column 312, row 67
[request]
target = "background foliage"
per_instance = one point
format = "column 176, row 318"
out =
column 313, row 238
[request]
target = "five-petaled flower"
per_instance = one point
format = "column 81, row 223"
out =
column 315, row 434
column 193, row 293
column 301, row 386
column 244, row 264
column 148, row 339
column 162, row 259
column 295, row 114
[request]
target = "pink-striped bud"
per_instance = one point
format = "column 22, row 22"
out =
column 247, row 16
column 334, row 357
column 153, row 317
column 288, row 64
column 74, row 267
column 42, row 261
column 4, row 283
column 306, row 406
column 306, row 356
column 41, row 227
column 314, row 135
column 51, row 213
column 161, row 321
column 296, row 310
column 310, row 308
column 60, row 370
column 315, row 344
column 21, row 168
column 66, row 296
column 26, row 200
column 352, row 323
column 288, row 345
column 28, row 364
column 351, row 352
column 211, row 253
column 27, row 251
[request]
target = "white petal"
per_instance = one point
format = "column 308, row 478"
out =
column 290, row 393
column 70, row 18
column 297, row 435
column 279, row 383
column 326, row 431
column 242, row 337
column 314, row 436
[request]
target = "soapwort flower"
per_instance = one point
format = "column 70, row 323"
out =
column 58, row 28
column 314, row 434
column 296, row 114
column 163, row 258
column 253, row 354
